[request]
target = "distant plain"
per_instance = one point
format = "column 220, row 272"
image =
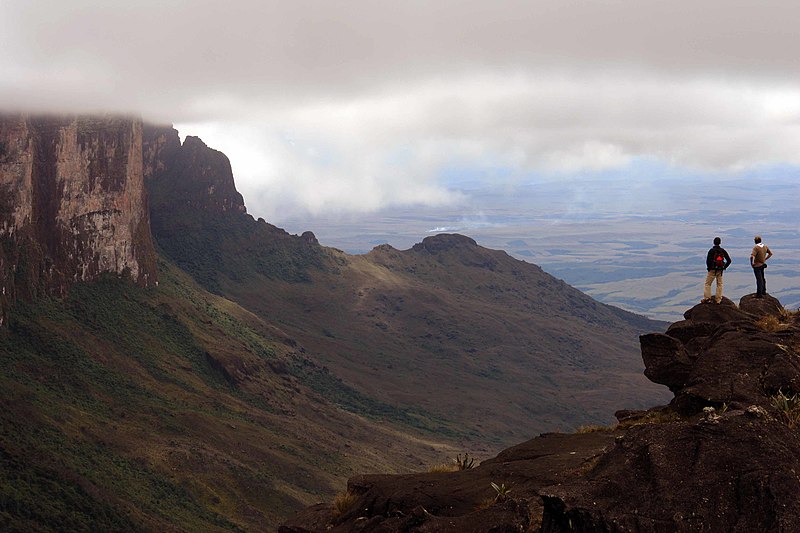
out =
column 637, row 243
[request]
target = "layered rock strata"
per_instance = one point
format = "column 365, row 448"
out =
column 72, row 204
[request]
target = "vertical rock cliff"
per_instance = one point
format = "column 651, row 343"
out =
column 200, row 221
column 72, row 204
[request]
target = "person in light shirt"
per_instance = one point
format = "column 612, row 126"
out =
column 758, row 260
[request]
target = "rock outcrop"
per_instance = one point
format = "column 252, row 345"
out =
column 190, row 174
column 724, row 455
column 731, row 459
column 72, row 204
column 199, row 219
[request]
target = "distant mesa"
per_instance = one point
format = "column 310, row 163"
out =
column 443, row 242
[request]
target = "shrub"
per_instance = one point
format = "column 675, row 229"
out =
column 771, row 324
column 663, row 416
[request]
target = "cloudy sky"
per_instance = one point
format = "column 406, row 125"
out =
column 354, row 106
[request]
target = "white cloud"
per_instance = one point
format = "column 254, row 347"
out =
column 352, row 106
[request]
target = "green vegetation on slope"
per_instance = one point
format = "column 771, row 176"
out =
column 127, row 409
column 63, row 409
column 232, row 246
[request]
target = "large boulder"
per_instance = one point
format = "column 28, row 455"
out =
column 765, row 305
column 711, row 474
column 666, row 360
column 721, row 354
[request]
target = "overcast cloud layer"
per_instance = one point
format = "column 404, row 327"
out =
column 354, row 106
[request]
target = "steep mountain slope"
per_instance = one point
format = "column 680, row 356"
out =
column 159, row 407
column 170, row 409
column 463, row 339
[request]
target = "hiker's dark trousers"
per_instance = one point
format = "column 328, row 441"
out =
column 761, row 283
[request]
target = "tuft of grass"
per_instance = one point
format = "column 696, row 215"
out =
column 343, row 502
column 665, row 416
column 594, row 428
column 502, row 491
column 771, row 323
column 443, row 468
column 788, row 407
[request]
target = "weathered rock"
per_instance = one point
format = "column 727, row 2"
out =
column 461, row 501
column 72, row 204
column 666, row 360
column 712, row 313
column 715, row 471
column 688, row 330
column 764, row 306
column 686, row 476
column 720, row 355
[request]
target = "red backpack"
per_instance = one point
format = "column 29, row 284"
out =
column 719, row 261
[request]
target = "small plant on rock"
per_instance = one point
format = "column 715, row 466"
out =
column 788, row 407
column 771, row 324
column 502, row 491
column 466, row 463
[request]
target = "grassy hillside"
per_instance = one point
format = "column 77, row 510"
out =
column 459, row 339
column 465, row 333
column 173, row 409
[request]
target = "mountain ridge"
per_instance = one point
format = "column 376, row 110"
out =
column 264, row 368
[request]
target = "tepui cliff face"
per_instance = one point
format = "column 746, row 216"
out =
column 72, row 204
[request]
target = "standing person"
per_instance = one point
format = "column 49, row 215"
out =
column 717, row 261
column 758, row 260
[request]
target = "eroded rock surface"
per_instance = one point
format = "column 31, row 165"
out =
column 730, row 461
column 462, row 501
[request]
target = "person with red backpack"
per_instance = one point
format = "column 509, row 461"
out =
column 717, row 261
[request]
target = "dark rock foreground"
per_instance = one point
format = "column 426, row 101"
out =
column 724, row 455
